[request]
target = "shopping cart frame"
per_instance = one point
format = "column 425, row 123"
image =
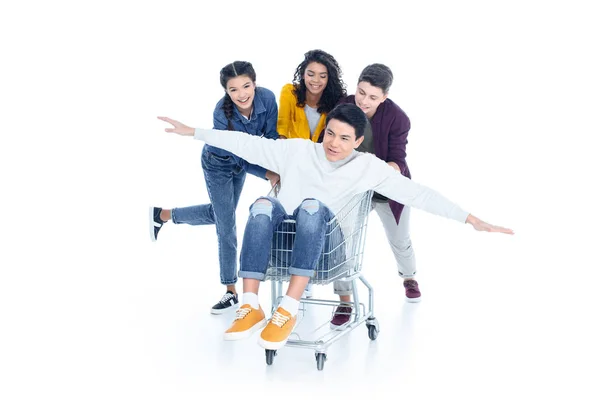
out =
column 352, row 220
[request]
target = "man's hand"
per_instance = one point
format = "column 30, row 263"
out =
column 394, row 165
column 480, row 225
column 178, row 127
column 273, row 178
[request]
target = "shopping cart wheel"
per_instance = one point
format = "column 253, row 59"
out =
column 321, row 358
column 373, row 332
column 269, row 354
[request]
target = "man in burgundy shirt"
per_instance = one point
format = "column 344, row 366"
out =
column 386, row 138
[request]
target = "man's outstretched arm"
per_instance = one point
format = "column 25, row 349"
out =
column 268, row 153
column 406, row 191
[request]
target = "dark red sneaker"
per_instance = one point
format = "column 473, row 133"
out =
column 413, row 294
column 341, row 316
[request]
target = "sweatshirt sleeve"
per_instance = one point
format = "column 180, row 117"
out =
column 399, row 188
column 268, row 153
column 270, row 130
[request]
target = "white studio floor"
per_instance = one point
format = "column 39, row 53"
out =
column 134, row 322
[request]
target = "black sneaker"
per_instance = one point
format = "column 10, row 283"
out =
column 228, row 301
column 155, row 222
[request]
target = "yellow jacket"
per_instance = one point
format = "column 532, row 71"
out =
column 291, row 121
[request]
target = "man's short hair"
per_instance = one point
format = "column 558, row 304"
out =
column 377, row 75
column 350, row 114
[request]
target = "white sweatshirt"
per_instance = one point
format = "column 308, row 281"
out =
column 306, row 173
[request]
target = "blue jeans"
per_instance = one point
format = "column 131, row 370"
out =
column 224, row 177
column 312, row 225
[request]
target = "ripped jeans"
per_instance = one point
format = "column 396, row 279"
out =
column 266, row 214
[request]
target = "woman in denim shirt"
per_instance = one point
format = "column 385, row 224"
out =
column 246, row 108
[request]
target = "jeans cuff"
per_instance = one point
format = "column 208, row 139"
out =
column 342, row 292
column 174, row 216
column 301, row 271
column 252, row 275
column 406, row 275
column 233, row 282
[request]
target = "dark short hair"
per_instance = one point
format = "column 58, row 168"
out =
column 350, row 114
column 378, row 75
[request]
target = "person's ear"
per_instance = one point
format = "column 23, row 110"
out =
column 358, row 141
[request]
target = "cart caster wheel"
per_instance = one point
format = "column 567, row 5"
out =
column 321, row 358
column 373, row 332
column 269, row 354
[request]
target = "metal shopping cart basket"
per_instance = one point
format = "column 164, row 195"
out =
column 341, row 258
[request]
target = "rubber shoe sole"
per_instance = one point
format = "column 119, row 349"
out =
column 245, row 334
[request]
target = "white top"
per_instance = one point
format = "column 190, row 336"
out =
column 306, row 173
column 313, row 117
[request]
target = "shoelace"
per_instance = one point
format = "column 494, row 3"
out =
column 279, row 319
column 410, row 284
column 343, row 311
column 226, row 297
column 241, row 313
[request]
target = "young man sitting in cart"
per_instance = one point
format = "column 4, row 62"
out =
column 318, row 179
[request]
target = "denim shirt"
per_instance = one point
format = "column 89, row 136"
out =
column 262, row 122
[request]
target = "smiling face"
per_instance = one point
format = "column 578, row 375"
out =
column 241, row 91
column 316, row 78
column 368, row 98
column 339, row 140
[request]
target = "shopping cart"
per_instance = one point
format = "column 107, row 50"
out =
column 341, row 258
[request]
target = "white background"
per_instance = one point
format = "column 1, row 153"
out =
column 503, row 100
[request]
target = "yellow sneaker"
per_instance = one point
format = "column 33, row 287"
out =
column 278, row 330
column 247, row 321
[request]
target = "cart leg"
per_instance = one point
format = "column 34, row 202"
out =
column 371, row 297
column 357, row 307
column 276, row 293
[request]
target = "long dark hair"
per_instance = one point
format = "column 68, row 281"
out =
column 236, row 68
column 335, row 89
